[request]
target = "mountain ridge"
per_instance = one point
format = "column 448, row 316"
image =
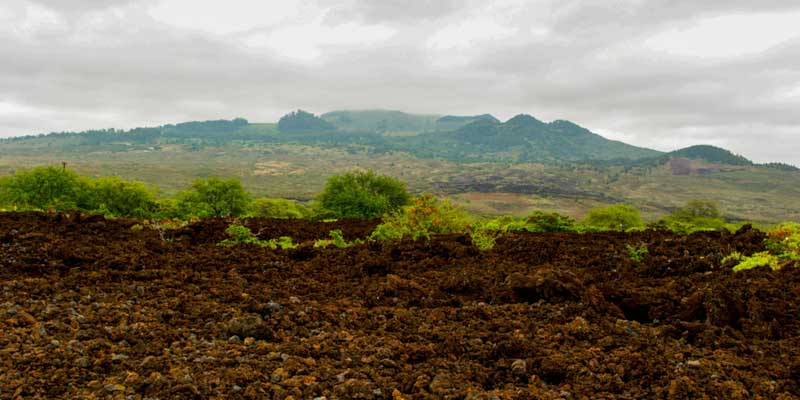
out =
column 521, row 138
column 485, row 165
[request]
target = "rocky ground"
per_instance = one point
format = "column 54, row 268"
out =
column 91, row 308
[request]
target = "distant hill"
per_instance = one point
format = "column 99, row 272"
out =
column 452, row 122
column 711, row 154
column 481, row 138
column 699, row 153
column 380, row 121
column 488, row 166
column 466, row 119
column 303, row 122
column 717, row 155
column 524, row 138
column 398, row 122
column 781, row 167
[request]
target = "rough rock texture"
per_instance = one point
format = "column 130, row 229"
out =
column 92, row 309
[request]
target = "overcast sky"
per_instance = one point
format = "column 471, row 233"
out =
column 658, row 73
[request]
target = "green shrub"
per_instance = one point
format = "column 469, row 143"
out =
column 5, row 200
column 364, row 195
column 164, row 227
column 116, row 197
column 47, row 188
column 485, row 234
column 485, row 237
column 168, row 208
column 762, row 259
column 337, row 240
column 695, row 216
column 618, row 217
column 784, row 240
column 426, row 216
column 214, row 197
column 285, row 242
column 541, row 221
column 698, row 209
column 637, row 253
column 239, row 234
column 278, row 208
column 783, row 249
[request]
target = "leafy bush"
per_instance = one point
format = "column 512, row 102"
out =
column 695, row 216
column 116, row 197
column 164, row 227
column 167, row 208
column 761, row 259
column 484, row 237
column 637, row 253
column 783, row 249
column 504, row 224
column 784, row 240
column 336, row 239
column 278, row 208
column 426, row 216
column 618, row 217
column 541, row 221
column 284, row 243
column 46, row 188
column 55, row 188
column 239, row 234
column 214, row 197
column 364, row 195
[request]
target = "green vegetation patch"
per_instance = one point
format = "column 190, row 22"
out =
column 214, row 197
column 337, row 240
column 279, row 208
column 618, row 217
column 239, row 234
column 783, row 249
column 361, row 194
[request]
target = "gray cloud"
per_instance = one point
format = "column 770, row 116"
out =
column 399, row 10
column 81, row 5
column 104, row 64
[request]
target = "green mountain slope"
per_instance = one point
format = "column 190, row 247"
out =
column 490, row 167
column 380, row 121
column 391, row 122
column 711, row 154
column 524, row 139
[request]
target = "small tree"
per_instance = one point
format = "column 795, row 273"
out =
column 364, row 195
column 48, row 188
column 278, row 208
column 619, row 217
column 426, row 216
column 214, row 197
column 696, row 215
column 117, row 197
column 542, row 221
